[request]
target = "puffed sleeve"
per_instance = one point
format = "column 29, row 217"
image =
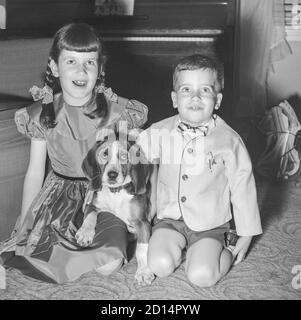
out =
column 27, row 121
column 135, row 113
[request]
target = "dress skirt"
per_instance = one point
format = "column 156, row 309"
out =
column 46, row 247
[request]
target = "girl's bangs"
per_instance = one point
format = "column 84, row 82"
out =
column 81, row 40
column 81, row 45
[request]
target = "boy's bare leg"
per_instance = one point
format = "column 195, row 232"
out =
column 207, row 262
column 165, row 251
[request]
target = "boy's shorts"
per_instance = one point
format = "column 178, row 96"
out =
column 190, row 235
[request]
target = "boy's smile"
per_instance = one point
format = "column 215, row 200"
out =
column 78, row 72
column 195, row 96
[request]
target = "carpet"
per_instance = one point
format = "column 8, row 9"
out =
column 266, row 273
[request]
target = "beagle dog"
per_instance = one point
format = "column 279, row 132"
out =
column 119, row 186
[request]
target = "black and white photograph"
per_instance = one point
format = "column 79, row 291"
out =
column 150, row 154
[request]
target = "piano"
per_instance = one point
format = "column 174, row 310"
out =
column 142, row 48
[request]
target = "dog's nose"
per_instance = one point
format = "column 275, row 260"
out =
column 112, row 175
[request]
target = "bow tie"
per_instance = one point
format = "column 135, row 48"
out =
column 185, row 127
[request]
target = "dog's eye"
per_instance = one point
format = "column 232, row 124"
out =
column 104, row 154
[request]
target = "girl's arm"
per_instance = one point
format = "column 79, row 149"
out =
column 34, row 175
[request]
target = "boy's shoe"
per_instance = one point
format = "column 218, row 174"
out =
column 231, row 238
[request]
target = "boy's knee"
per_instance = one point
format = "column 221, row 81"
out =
column 203, row 276
column 161, row 266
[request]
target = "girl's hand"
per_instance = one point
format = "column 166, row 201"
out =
column 241, row 248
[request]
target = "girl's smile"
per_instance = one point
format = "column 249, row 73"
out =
column 80, row 83
column 78, row 72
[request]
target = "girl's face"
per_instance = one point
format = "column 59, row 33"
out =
column 195, row 96
column 78, row 72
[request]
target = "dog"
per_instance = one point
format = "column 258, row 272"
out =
column 119, row 186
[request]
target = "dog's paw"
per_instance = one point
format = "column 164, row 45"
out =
column 84, row 236
column 144, row 276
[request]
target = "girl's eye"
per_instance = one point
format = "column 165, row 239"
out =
column 70, row 61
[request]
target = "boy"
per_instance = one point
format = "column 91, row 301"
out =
column 204, row 168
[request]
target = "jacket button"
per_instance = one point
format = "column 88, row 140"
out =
column 190, row 150
column 184, row 177
column 183, row 199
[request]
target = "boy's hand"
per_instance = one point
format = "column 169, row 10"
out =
column 241, row 248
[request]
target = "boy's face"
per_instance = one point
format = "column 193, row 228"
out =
column 78, row 72
column 195, row 96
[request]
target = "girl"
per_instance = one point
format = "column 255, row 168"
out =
column 75, row 105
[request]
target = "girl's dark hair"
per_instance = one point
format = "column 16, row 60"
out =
column 78, row 37
column 198, row 61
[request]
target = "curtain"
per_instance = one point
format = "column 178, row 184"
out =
column 279, row 47
column 261, row 39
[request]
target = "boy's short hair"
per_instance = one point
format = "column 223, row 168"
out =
column 198, row 61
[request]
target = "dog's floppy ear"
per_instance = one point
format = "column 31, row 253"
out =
column 92, row 168
column 140, row 169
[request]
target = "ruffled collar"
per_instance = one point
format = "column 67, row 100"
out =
column 71, row 120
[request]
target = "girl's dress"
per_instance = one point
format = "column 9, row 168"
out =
column 46, row 247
